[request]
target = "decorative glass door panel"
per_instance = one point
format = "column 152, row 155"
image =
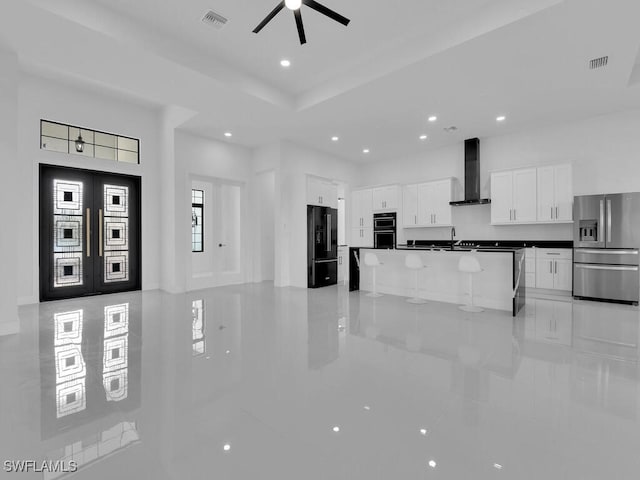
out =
column 89, row 233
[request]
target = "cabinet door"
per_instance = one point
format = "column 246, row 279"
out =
column 314, row 191
column 563, row 192
column 524, row 195
column 391, row 197
column 367, row 237
column 501, row 197
column 441, row 198
column 356, row 237
column 329, row 195
column 366, row 208
column 546, row 194
column 563, row 273
column 378, row 198
column 545, row 273
column 410, row 205
column 425, row 209
column 355, row 206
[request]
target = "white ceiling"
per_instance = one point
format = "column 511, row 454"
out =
column 373, row 83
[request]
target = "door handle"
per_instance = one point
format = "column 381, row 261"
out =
column 608, row 220
column 601, row 225
column 550, row 266
column 606, row 267
column 88, row 232
column 515, row 215
column 222, row 245
column 100, row 242
column 555, row 267
column 556, row 213
column 415, row 219
column 551, row 213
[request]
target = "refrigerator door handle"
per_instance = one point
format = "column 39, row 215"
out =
column 606, row 267
column 608, row 220
column 328, row 232
column 601, row 216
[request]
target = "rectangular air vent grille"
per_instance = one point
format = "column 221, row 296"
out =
column 214, row 19
column 598, row 62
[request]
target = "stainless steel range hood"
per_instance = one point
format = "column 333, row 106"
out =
column 471, row 175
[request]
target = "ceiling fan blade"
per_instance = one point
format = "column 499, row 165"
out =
column 298, row 15
column 269, row 17
column 326, row 11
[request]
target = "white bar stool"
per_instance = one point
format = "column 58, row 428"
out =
column 414, row 262
column 470, row 264
column 371, row 260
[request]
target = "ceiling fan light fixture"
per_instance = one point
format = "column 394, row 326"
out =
column 293, row 4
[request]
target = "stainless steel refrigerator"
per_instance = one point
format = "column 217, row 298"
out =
column 606, row 243
column 322, row 246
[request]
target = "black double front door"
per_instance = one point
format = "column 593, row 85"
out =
column 89, row 232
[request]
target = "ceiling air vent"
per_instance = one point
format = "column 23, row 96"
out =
column 214, row 19
column 598, row 62
column 450, row 129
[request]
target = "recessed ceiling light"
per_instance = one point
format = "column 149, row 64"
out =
column 501, row 118
column 423, row 431
column 335, row 139
column 365, row 150
column 433, row 118
column 336, row 429
column 432, row 463
column 226, row 447
column 285, row 63
column 228, row 352
column 367, row 407
column 423, row 137
column 228, row 134
column 497, row 466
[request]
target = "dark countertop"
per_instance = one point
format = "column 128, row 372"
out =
column 459, row 248
column 495, row 243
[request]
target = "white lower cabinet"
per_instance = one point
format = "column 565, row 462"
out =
column 554, row 268
column 530, row 267
column 343, row 264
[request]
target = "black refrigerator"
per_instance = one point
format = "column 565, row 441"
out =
column 322, row 246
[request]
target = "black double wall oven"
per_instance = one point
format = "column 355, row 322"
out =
column 384, row 230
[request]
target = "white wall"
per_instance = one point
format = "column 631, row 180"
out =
column 14, row 230
column 297, row 162
column 45, row 99
column 206, row 160
column 604, row 152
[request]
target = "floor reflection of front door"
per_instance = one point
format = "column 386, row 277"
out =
column 89, row 232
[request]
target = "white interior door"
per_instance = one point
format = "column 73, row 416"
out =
column 220, row 261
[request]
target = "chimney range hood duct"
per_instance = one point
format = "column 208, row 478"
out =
column 471, row 175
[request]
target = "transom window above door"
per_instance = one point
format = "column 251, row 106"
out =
column 63, row 138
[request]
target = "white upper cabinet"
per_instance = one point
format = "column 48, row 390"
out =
column 362, row 209
column 427, row 204
column 410, row 206
column 321, row 192
column 555, row 193
column 531, row 195
column 524, row 195
column 385, row 198
column 502, row 197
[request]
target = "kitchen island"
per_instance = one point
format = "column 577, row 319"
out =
column 500, row 286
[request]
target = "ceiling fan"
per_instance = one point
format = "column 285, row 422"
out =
column 295, row 6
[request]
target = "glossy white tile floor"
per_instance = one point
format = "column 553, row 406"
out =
column 321, row 384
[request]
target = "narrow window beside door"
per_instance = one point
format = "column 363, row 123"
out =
column 197, row 219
